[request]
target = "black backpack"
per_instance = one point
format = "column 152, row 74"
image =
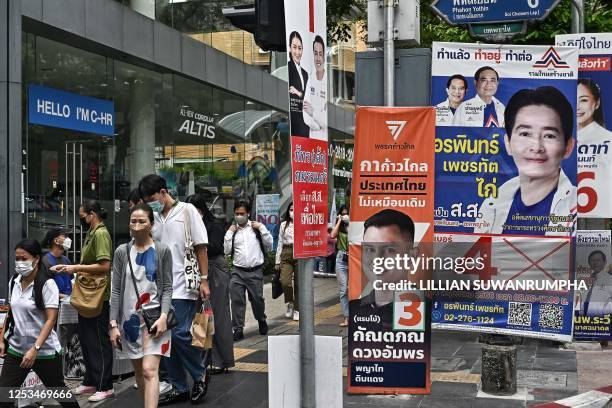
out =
column 259, row 239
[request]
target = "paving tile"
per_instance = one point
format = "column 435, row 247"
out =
column 259, row 356
column 453, row 389
column 493, row 402
column 433, row 402
column 548, row 395
column 555, row 364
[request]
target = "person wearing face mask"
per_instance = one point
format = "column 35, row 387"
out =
column 340, row 232
column 174, row 223
column 93, row 331
column 32, row 341
column 287, row 265
column 219, row 277
column 145, row 265
column 58, row 245
column 248, row 243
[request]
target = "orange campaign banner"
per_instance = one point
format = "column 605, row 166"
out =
column 392, row 207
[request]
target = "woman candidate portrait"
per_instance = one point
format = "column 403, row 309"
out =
column 539, row 125
column 298, row 79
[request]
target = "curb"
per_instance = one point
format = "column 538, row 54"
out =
column 598, row 398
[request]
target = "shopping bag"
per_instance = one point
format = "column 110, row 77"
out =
column 277, row 288
column 203, row 328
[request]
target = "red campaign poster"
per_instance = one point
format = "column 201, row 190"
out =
column 309, row 166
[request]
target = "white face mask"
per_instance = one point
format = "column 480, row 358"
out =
column 24, row 268
column 345, row 218
column 291, row 214
column 67, row 244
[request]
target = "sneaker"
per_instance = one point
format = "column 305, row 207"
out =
column 290, row 310
column 84, row 389
column 296, row 316
column 173, row 396
column 135, row 386
column 263, row 327
column 101, row 396
column 164, row 387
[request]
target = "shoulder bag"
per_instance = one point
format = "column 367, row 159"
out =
column 88, row 294
column 192, row 267
column 150, row 314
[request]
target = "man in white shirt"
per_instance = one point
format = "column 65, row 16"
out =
column 172, row 218
column 483, row 110
column 315, row 97
column 247, row 242
column 456, row 86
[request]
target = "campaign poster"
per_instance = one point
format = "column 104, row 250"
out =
column 391, row 218
column 306, row 28
column 506, row 183
column 267, row 211
column 594, row 122
column 593, row 305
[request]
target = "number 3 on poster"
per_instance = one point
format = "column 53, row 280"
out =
column 408, row 312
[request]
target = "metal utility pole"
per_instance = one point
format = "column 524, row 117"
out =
column 389, row 51
column 307, row 335
column 577, row 16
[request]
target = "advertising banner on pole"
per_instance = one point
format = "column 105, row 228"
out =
column 306, row 28
column 505, row 148
column 593, row 306
column 594, row 122
column 391, row 218
column 267, row 211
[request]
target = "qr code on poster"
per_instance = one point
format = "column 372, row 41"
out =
column 551, row 316
column 519, row 314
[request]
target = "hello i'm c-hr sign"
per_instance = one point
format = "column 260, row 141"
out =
column 66, row 110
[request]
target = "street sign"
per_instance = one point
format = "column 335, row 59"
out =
column 497, row 32
column 457, row 12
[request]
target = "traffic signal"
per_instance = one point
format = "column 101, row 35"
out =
column 265, row 19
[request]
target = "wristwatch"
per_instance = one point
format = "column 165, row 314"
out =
column 37, row 347
column 114, row 326
column 204, row 277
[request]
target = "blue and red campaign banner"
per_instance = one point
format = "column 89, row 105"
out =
column 594, row 122
column 506, row 184
column 391, row 220
column 306, row 28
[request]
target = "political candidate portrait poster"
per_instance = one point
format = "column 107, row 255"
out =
column 594, row 122
column 391, row 219
column 506, row 149
column 593, row 305
column 306, row 29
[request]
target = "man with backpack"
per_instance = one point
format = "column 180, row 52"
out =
column 247, row 242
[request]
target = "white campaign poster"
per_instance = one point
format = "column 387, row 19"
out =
column 306, row 28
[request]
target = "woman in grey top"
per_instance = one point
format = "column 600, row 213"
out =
column 151, row 263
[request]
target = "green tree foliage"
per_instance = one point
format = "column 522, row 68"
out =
column 341, row 14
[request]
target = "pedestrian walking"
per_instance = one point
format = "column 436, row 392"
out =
column 340, row 232
column 29, row 328
column 248, row 243
column 58, row 243
column 222, row 354
column 93, row 331
column 142, row 275
column 180, row 227
column 287, row 265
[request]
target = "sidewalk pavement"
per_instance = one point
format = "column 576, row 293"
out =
column 546, row 372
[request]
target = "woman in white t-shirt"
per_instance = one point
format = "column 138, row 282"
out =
column 287, row 265
column 29, row 328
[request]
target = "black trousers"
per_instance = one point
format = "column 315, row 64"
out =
column 97, row 350
column 48, row 370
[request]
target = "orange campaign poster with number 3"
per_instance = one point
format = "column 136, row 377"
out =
column 391, row 218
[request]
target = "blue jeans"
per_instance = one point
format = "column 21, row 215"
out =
column 342, row 278
column 183, row 356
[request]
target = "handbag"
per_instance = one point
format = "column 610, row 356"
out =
column 151, row 312
column 277, row 288
column 203, row 326
column 88, row 294
column 192, row 267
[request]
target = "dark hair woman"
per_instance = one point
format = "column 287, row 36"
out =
column 287, row 265
column 32, row 341
column 93, row 331
column 142, row 275
column 219, row 281
column 340, row 231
